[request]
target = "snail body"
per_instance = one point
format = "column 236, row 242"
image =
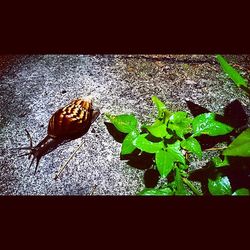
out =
column 67, row 123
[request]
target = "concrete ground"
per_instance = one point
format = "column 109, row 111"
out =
column 33, row 87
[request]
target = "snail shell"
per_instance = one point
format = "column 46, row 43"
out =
column 67, row 123
column 72, row 120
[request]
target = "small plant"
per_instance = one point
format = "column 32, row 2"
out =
column 240, row 146
column 233, row 74
column 171, row 138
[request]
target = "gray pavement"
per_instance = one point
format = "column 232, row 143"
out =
column 33, row 87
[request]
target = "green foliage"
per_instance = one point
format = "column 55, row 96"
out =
column 180, row 189
column 193, row 146
column 218, row 162
column 147, row 146
column 159, row 104
column 123, row 123
column 231, row 72
column 240, row 146
column 164, row 162
column 158, row 129
column 163, row 113
column 175, row 151
column 127, row 146
column 241, row 191
column 168, row 139
column 220, row 186
column 157, row 192
column 180, row 123
column 206, row 124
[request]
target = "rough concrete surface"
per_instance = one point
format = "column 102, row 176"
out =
column 33, row 87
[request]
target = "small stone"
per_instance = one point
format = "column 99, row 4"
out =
column 23, row 114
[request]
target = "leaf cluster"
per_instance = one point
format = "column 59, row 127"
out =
column 171, row 138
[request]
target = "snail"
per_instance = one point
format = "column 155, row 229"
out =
column 66, row 124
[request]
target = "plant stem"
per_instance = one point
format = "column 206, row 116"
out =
column 213, row 149
column 191, row 186
column 65, row 164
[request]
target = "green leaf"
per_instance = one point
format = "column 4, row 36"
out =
column 180, row 189
column 156, row 192
column 220, row 186
column 240, row 146
column 175, row 152
column 147, row 146
column 165, row 159
column 206, row 124
column 127, row 145
column 159, row 104
column 159, row 130
column 123, row 123
column 164, row 162
column 193, row 146
column 178, row 117
column 155, row 124
column 231, row 72
column 180, row 123
column 162, row 110
column 241, row 191
column 218, row 162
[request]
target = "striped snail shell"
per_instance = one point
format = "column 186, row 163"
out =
column 72, row 120
column 67, row 123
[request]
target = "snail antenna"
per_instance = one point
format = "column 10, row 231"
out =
column 25, row 148
column 29, row 136
column 32, row 162
column 37, row 162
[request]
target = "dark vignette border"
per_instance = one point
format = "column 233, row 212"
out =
column 168, row 30
column 102, row 28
